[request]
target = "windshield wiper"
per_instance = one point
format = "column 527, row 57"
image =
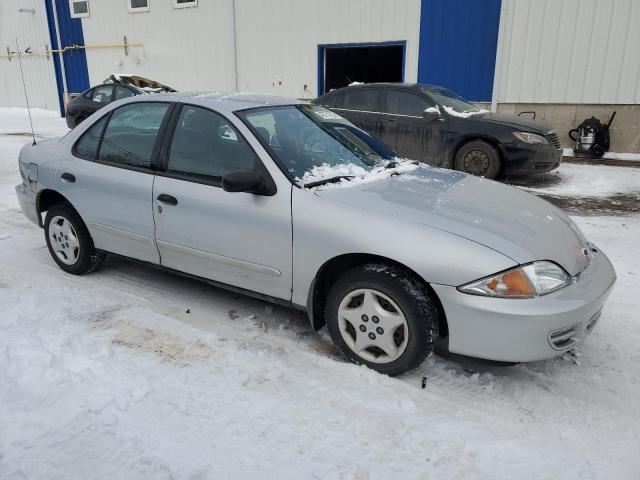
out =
column 324, row 181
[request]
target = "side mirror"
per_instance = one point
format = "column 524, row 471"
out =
column 432, row 113
column 243, row 181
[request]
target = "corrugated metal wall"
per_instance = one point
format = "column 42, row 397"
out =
column 458, row 40
column 31, row 31
column 277, row 41
column 569, row 51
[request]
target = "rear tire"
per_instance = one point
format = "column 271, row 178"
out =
column 478, row 158
column 382, row 316
column 69, row 241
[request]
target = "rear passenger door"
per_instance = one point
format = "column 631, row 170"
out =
column 240, row 239
column 110, row 180
column 405, row 129
column 361, row 106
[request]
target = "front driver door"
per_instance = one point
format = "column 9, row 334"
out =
column 405, row 129
column 240, row 239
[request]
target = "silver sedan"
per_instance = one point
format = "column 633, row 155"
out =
column 292, row 203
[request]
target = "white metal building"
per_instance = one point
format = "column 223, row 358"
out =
column 564, row 59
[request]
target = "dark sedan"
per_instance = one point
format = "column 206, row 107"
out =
column 434, row 125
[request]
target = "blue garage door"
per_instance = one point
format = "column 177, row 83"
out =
column 458, row 41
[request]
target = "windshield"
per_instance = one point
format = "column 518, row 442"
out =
column 447, row 98
column 305, row 138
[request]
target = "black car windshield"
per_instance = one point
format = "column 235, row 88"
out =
column 312, row 143
column 446, row 98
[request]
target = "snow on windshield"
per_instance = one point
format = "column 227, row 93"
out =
column 359, row 174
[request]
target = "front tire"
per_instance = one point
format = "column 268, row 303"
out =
column 381, row 316
column 478, row 158
column 69, row 241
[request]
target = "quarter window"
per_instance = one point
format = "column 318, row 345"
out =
column 406, row 103
column 87, row 146
column 364, row 100
column 131, row 134
column 79, row 8
column 205, row 145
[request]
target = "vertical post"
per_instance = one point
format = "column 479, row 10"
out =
column 499, row 52
column 235, row 45
column 65, row 90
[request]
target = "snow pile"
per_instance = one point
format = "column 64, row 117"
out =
column 433, row 110
column 360, row 175
column 352, row 84
column 455, row 113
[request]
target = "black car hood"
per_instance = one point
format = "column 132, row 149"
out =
column 513, row 121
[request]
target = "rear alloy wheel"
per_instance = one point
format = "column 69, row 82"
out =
column 69, row 241
column 381, row 316
column 478, row 158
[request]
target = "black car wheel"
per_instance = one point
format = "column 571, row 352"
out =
column 478, row 158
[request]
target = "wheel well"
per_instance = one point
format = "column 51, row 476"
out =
column 335, row 267
column 47, row 199
column 494, row 143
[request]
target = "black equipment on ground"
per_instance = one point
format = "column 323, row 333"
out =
column 592, row 137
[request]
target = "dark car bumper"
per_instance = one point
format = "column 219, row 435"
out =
column 525, row 159
column 71, row 121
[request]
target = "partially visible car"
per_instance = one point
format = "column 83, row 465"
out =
column 436, row 126
column 116, row 87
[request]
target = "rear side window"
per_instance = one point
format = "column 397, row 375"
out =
column 131, row 134
column 102, row 94
column 363, row 100
column 334, row 101
column 87, row 146
column 205, row 145
column 406, row 103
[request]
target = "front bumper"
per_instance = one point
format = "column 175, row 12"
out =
column 27, row 201
column 527, row 159
column 523, row 330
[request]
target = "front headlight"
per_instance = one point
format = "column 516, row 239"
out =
column 528, row 137
column 526, row 281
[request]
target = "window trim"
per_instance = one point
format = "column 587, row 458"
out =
column 190, row 4
column 133, row 9
column 154, row 162
column 79, row 15
column 165, row 150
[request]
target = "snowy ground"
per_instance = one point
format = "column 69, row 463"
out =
column 108, row 377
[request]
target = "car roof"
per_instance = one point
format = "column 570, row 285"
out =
column 408, row 86
column 230, row 102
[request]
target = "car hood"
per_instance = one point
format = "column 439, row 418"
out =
column 503, row 218
column 513, row 121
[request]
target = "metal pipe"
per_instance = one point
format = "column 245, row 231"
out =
column 65, row 90
column 235, row 46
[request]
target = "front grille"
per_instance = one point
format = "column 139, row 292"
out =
column 564, row 338
column 552, row 136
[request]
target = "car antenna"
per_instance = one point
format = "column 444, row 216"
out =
column 24, row 85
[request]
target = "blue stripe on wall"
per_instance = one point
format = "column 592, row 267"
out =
column 458, row 41
column 75, row 61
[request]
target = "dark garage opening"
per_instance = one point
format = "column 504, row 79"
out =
column 379, row 63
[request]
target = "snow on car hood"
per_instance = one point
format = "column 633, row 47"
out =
column 503, row 218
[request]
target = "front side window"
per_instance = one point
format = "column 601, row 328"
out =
column 123, row 92
column 363, row 100
column 450, row 100
column 87, row 146
column 205, row 145
column 307, row 137
column 130, row 136
column 102, row 94
column 405, row 103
